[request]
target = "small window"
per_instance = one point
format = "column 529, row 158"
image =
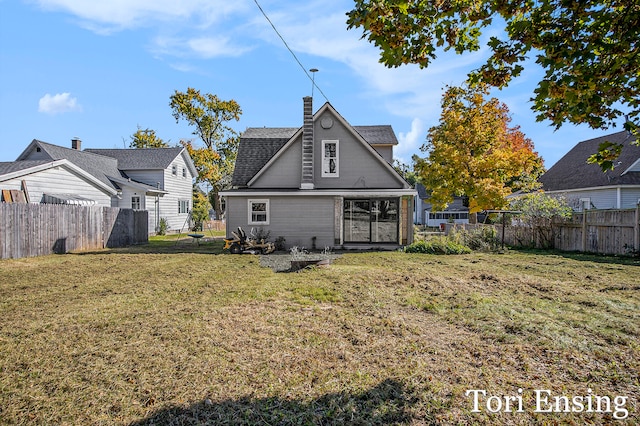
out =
column 174, row 170
column 183, row 206
column 184, row 172
column 330, row 165
column 135, row 203
column 258, row 212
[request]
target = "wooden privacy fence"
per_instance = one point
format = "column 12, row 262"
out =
column 28, row 230
column 592, row 231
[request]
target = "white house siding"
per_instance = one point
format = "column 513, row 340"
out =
column 57, row 180
column 296, row 218
column 178, row 188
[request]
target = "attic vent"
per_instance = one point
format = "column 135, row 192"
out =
column 38, row 149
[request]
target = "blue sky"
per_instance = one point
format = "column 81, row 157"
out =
column 98, row 69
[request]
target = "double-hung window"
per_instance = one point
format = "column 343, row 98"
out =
column 258, row 212
column 183, row 206
column 135, row 203
column 330, row 163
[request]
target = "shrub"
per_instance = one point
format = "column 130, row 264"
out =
column 482, row 238
column 163, row 226
column 438, row 245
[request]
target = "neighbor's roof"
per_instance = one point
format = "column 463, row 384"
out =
column 573, row 172
column 141, row 159
column 16, row 166
column 99, row 166
column 259, row 144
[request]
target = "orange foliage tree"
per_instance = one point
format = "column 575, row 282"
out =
column 474, row 152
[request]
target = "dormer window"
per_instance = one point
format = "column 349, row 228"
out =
column 330, row 161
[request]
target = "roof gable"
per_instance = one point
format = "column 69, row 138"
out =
column 16, row 169
column 260, row 148
column 573, row 172
column 99, row 166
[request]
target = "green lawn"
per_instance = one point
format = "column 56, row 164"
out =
column 183, row 334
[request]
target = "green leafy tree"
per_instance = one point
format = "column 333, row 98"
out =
column 200, row 210
column 406, row 172
column 146, row 138
column 473, row 152
column 539, row 212
column 589, row 50
column 210, row 117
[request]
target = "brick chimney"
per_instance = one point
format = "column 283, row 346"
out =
column 307, row 144
column 76, row 143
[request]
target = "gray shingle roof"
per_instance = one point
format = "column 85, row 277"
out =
column 140, row 159
column 377, row 134
column 15, row 166
column 259, row 144
column 99, row 166
column 573, row 172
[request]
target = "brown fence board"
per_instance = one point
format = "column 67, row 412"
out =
column 593, row 231
column 28, row 230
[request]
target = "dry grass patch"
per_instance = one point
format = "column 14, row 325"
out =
column 183, row 335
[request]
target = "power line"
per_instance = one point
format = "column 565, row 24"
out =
column 313, row 82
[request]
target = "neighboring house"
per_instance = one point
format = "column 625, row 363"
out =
column 159, row 180
column 586, row 186
column 325, row 184
column 455, row 212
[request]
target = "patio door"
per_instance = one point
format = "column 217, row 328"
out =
column 371, row 220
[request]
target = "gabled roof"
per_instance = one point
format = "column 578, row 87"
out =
column 258, row 145
column 19, row 166
column 573, row 172
column 16, row 169
column 99, row 166
column 145, row 158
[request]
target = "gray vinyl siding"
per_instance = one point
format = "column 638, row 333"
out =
column 630, row 197
column 58, row 180
column 359, row 167
column 600, row 198
column 297, row 219
column 386, row 151
column 286, row 172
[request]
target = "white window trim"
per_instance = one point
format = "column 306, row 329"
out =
column 250, row 203
column 337, row 173
column 174, row 170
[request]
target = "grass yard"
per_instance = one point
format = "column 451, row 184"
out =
column 185, row 335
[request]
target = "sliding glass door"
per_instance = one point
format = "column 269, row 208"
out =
column 371, row 220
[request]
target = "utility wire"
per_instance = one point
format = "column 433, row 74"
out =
column 313, row 82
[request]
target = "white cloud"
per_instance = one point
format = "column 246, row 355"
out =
column 409, row 143
column 58, row 104
column 114, row 15
column 198, row 47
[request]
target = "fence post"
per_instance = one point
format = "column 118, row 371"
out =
column 584, row 230
column 636, row 237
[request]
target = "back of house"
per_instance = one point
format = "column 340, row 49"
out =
column 325, row 184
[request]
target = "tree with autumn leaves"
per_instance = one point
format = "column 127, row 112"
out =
column 589, row 51
column 209, row 115
column 474, row 152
